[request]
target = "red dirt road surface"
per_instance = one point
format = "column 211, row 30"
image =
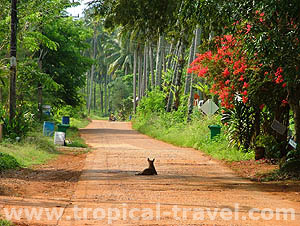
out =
column 190, row 188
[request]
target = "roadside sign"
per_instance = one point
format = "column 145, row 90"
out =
column 209, row 107
column 293, row 143
column 278, row 127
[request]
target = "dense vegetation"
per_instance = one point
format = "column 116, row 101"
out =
column 243, row 55
column 154, row 60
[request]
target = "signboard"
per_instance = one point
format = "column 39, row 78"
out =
column 293, row 143
column 209, row 107
column 278, row 127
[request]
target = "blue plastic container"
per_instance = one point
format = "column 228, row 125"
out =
column 65, row 120
column 48, row 129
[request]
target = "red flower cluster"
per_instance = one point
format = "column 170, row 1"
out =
column 226, row 69
column 278, row 75
column 261, row 15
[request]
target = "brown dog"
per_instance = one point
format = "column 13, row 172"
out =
column 150, row 170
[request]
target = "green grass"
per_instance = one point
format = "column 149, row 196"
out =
column 79, row 123
column 97, row 115
column 195, row 134
column 74, row 137
column 5, row 223
column 37, row 149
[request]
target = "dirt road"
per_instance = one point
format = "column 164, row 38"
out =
column 190, row 188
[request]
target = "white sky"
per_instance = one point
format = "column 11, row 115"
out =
column 74, row 11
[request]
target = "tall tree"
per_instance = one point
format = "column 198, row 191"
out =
column 134, row 79
column 13, row 61
column 159, row 60
column 93, row 69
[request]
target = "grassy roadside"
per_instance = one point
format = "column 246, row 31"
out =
column 36, row 148
column 5, row 223
column 195, row 135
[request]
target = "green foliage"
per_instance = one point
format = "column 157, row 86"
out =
column 294, row 154
column 5, row 223
column 272, row 147
column 7, row 162
column 30, row 77
column 290, row 170
column 155, row 102
column 50, row 56
column 21, row 125
column 35, row 149
column 121, row 97
column 66, row 65
column 241, row 123
column 149, row 16
column 67, row 110
column 292, row 166
column 195, row 134
column 74, row 138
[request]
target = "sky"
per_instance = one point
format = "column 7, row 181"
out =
column 74, row 11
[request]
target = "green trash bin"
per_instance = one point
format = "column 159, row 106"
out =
column 63, row 128
column 214, row 130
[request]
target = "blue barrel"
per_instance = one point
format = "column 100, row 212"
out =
column 48, row 129
column 65, row 120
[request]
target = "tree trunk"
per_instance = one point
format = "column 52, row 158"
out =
column 105, row 91
column 1, row 95
column 93, row 70
column 109, row 94
column 134, row 79
column 294, row 102
column 126, row 69
column 170, row 56
column 181, row 64
column 174, row 79
column 197, row 42
column 191, row 100
column 140, row 76
column 87, row 90
column 13, row 62
column 151, row 66
column 101, row 98
column 95, row 90
column 188, row 76
column 145, row 80
column 172, row 90
column 163, row 56
column 296, row 112
column 176, row 54
column 159, row 61
column 40, row 101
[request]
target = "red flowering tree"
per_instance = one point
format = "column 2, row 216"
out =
column 234, row 74
column 260, row 63
column 227, row 69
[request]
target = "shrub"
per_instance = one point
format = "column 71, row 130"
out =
column 8, row 162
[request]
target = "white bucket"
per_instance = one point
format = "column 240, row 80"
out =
column 59, row 138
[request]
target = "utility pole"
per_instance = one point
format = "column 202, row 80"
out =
column 13, row 61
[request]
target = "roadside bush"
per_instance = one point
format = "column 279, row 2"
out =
column 241, row 121
column 8, row 162
column 21, row 125
column 195, row 134
column 5, row 223
column 272, row 147
column 74, row 112
column 154, row 102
